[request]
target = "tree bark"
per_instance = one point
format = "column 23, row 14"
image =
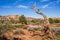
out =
column 46, row 30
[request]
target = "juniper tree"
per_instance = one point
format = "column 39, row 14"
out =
column 45, row 30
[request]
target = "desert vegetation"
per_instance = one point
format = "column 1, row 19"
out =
column 21, row 20
column 12, row 29
column 21, row 28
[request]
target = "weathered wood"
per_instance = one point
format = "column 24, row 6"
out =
column 46, row 30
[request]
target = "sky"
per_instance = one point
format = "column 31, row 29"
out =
column 51, row 8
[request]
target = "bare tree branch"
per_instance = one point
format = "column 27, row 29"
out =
column 46, row 26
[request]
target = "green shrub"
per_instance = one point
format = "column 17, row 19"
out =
column 21, row 26
column 37, row 28
column 30, row 29
column 19, row 32
column 22, row 19
column 33, row 28
column 57, row 37
column 43, row 39
column 6, row 26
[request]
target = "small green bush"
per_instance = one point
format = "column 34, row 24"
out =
column 21, row 26
column 19, row 32
column 57, row 37
column 30, row 29
column 33, row 28
column 43, row 39
column 37, row 28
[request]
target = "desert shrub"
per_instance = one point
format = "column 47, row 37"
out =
column 30, row 29
column 24, row 26
column 56, row 31
column 37, row 28
column 18, row 26
column 43, row 39
column 4, row 29
column 57, row 37
column 21, row 26
column 6, row 26
column 33, row 28
column 39, row 21
column 51, row 20
column 19, row 32
column 22, row 19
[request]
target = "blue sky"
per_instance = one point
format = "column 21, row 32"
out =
column 51, row 8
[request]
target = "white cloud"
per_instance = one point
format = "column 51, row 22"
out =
column 22, row 6
column 19, row 6
column 51, row 3
column 45, row 6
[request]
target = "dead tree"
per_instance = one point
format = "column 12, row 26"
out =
column 46, row 30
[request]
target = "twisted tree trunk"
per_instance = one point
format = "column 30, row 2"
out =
column 46, row 30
